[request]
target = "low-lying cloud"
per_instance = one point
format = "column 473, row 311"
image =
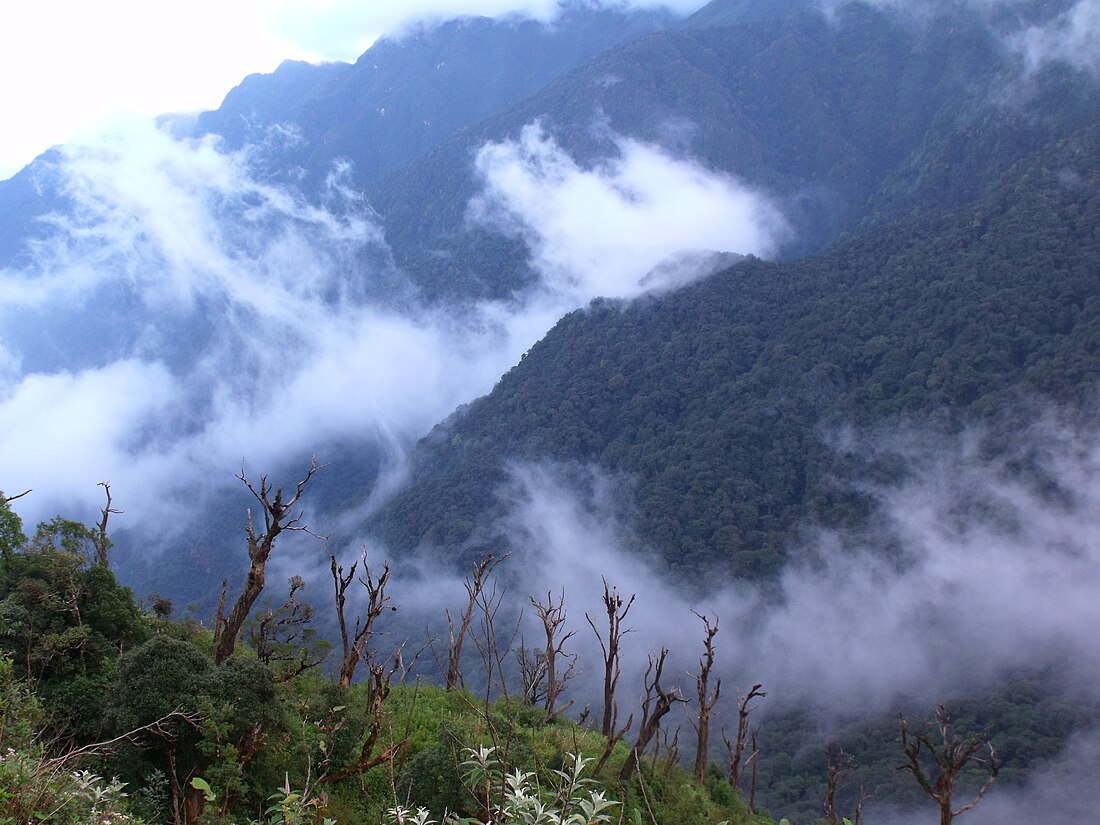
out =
column 182, row 314
column 599, row 228
column 1071, row 38
column 996, row 574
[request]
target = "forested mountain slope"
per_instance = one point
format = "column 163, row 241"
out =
column 718, row 400
column 843, row 121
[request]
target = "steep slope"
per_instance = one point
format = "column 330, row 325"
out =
column 846, row 122
column 407, row 93
column 718, row 401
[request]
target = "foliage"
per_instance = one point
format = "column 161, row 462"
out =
column 717, row 402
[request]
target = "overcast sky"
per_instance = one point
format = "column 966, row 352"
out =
column 69, row 68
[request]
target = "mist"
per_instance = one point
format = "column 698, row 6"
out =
column 997, row 573
column 184, row 313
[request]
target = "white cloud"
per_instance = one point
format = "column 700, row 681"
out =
column 262, row 318
column 1072, row 38
column 995, row 575
column 598, row 230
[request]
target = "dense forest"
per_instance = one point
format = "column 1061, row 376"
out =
column 719, row 399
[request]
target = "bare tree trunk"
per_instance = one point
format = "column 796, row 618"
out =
column 737, row 749
column 277, row 519
column 950, row 754
column 707, row 700
column 474, row 584
column 100, row 541
column 755, row 759
column 656, row 704
column 355, row 644
column 616, row 613
column 552, row 617
column 379, row 691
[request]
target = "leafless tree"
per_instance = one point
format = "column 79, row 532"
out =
column 655, row 705
column 838, row 767
column 474, row 584
column 949, row 754
column 707, row 698
column 754, row 759
column 99, row 540
column 377, row 602
column 278, row 518
column 736, row 749
column 617, row 611
column 552, row 616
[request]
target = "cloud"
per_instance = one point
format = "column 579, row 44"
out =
column 599, row 229
column 997, row 573
column 185, row 313
column 1071, row 38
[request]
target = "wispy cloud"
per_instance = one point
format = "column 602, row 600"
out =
column 599, row 228
column 183, row 313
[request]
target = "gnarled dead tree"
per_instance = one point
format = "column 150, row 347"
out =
column 707, row 698
column 656, row 704
column 838, row 766
column 736, row 749
column 278, row 518
column 377, row 601
column 617, row 610
column 99, row 539
column 474, row 584
column 949, row 754
column 552, row 617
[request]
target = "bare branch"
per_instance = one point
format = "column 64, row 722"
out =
column 277, row 519
column 736, row 749
column 617, row 611
column 949, row 754
column 707, row 698
column 474, row 585
column 656, row 704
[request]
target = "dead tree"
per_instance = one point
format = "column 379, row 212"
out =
column 474, row 584
column 949, row 754
column 552, row 617
column 838, row 767
column 278, row 518
column 378, row 692
column 616, row 613
column 736, row 749
column 656, row 704
column 354, row 645
column 99, row 539
column 283, row 639
column 707, row 698
column 754, row 759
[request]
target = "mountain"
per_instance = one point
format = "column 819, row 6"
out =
column 845, row 122
column 407, row 93
column 718, row 401
column 400, row 98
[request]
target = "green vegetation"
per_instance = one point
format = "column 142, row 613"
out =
column 719, row 401
column 93, row 687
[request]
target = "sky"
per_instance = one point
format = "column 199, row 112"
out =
column 116, row 59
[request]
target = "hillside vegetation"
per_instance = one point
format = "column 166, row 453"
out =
column 718, row 400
